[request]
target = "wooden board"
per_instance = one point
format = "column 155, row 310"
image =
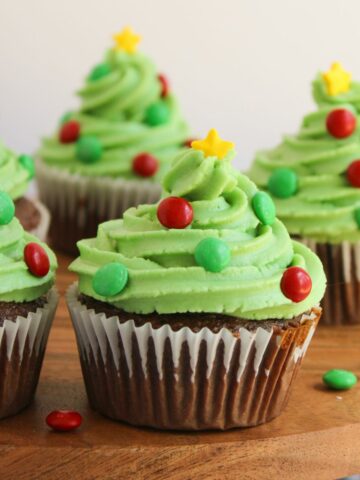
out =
column 317, row 437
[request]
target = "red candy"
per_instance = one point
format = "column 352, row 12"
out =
column 164, row 85
column 296, row 284
column 36, row 259
column 175, row 212
column 353, row 173
column 341, row 123
column 64, row 420
column 188, row 142
column 69, row 132
column 145, row 165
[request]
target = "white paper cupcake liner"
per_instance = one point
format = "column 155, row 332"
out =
column 341, row 303
column 78, row 203
column 184, row 379
column 22, row 346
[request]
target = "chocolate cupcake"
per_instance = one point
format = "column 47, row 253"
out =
column 27, row 307
column 195, row 313
column 314, row 179
column 16, row 171
column 111, row 154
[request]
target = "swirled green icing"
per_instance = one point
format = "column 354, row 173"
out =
column 322, row 97
column 113, row 109
column 17, row 284
column 325, row 204
column 14, row 178
column 163, row 274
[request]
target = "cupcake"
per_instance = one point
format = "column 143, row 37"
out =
column 16, row 171
column 195, row 313
column 27, row 307
column 111, row 154
column 314, row 179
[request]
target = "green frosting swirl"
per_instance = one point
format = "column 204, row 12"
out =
column 322, row 98
column 324, row 206
column 114, row 109
column 163, row 274
column 14, row 178
column 17, row 284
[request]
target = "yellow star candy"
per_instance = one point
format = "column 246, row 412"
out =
column 213, row 145
column 337, row 79
column 127, row 40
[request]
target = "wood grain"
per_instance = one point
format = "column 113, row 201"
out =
column 317, row 437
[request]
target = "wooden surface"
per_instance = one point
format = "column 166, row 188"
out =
column 317, row 437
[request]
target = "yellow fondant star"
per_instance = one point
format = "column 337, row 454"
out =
column 213, row 145
column 127, row 40
column 337, row 79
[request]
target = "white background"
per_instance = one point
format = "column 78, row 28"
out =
column 243, row 66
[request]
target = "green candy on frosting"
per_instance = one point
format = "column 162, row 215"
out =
column 164, row 276
column 325, row 204
column 14, row 175
column 114, row 108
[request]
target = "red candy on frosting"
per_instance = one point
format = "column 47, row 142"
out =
column 36, row 259
column 165, row 87
column 341, row 123
column 64, row 420
column 69, row 132
column 296, row 284
column 145, row 165
column 175, row 212
column 353, row 173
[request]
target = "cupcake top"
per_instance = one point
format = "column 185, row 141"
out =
column 15, row 172
column 127, row 110
column 212, row 244
column 27, row 266
column 314, row 176
column 335, row 87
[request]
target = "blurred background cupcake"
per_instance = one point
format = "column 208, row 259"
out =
column 195, row 313
column 27, row 307
column 16, row 171
column 110, row 154
column 314, row 179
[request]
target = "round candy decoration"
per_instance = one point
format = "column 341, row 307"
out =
column 164, row 85
column 353, row 173
column 36, row 259
column 28, row 163
column 175, row 212
column 145, row 165
column 157, row 114
column 264, row 208
column 188, row 142
column 338, row 379
column 7, row 208
column 110, row 279
column 88, row 149
column 341, row 123
column 296, row 284
column 69, row 132
column 283, row 183
column 64, row 420
column 99, row 71
column 212, row 254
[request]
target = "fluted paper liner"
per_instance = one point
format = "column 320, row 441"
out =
column 185, row 380
column 341, row 303
column 78, row 204
column 22, row 347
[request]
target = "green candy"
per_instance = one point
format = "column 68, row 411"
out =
column 7, row 209
column 66, row 117
column 28, row 163
column 110, row 279
column 88, row 149
column 99, row 71
column 283, row 183
column 157, row 114
column 212, row 254
column 264, row 208
column 357, row 216
column 339, row 379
